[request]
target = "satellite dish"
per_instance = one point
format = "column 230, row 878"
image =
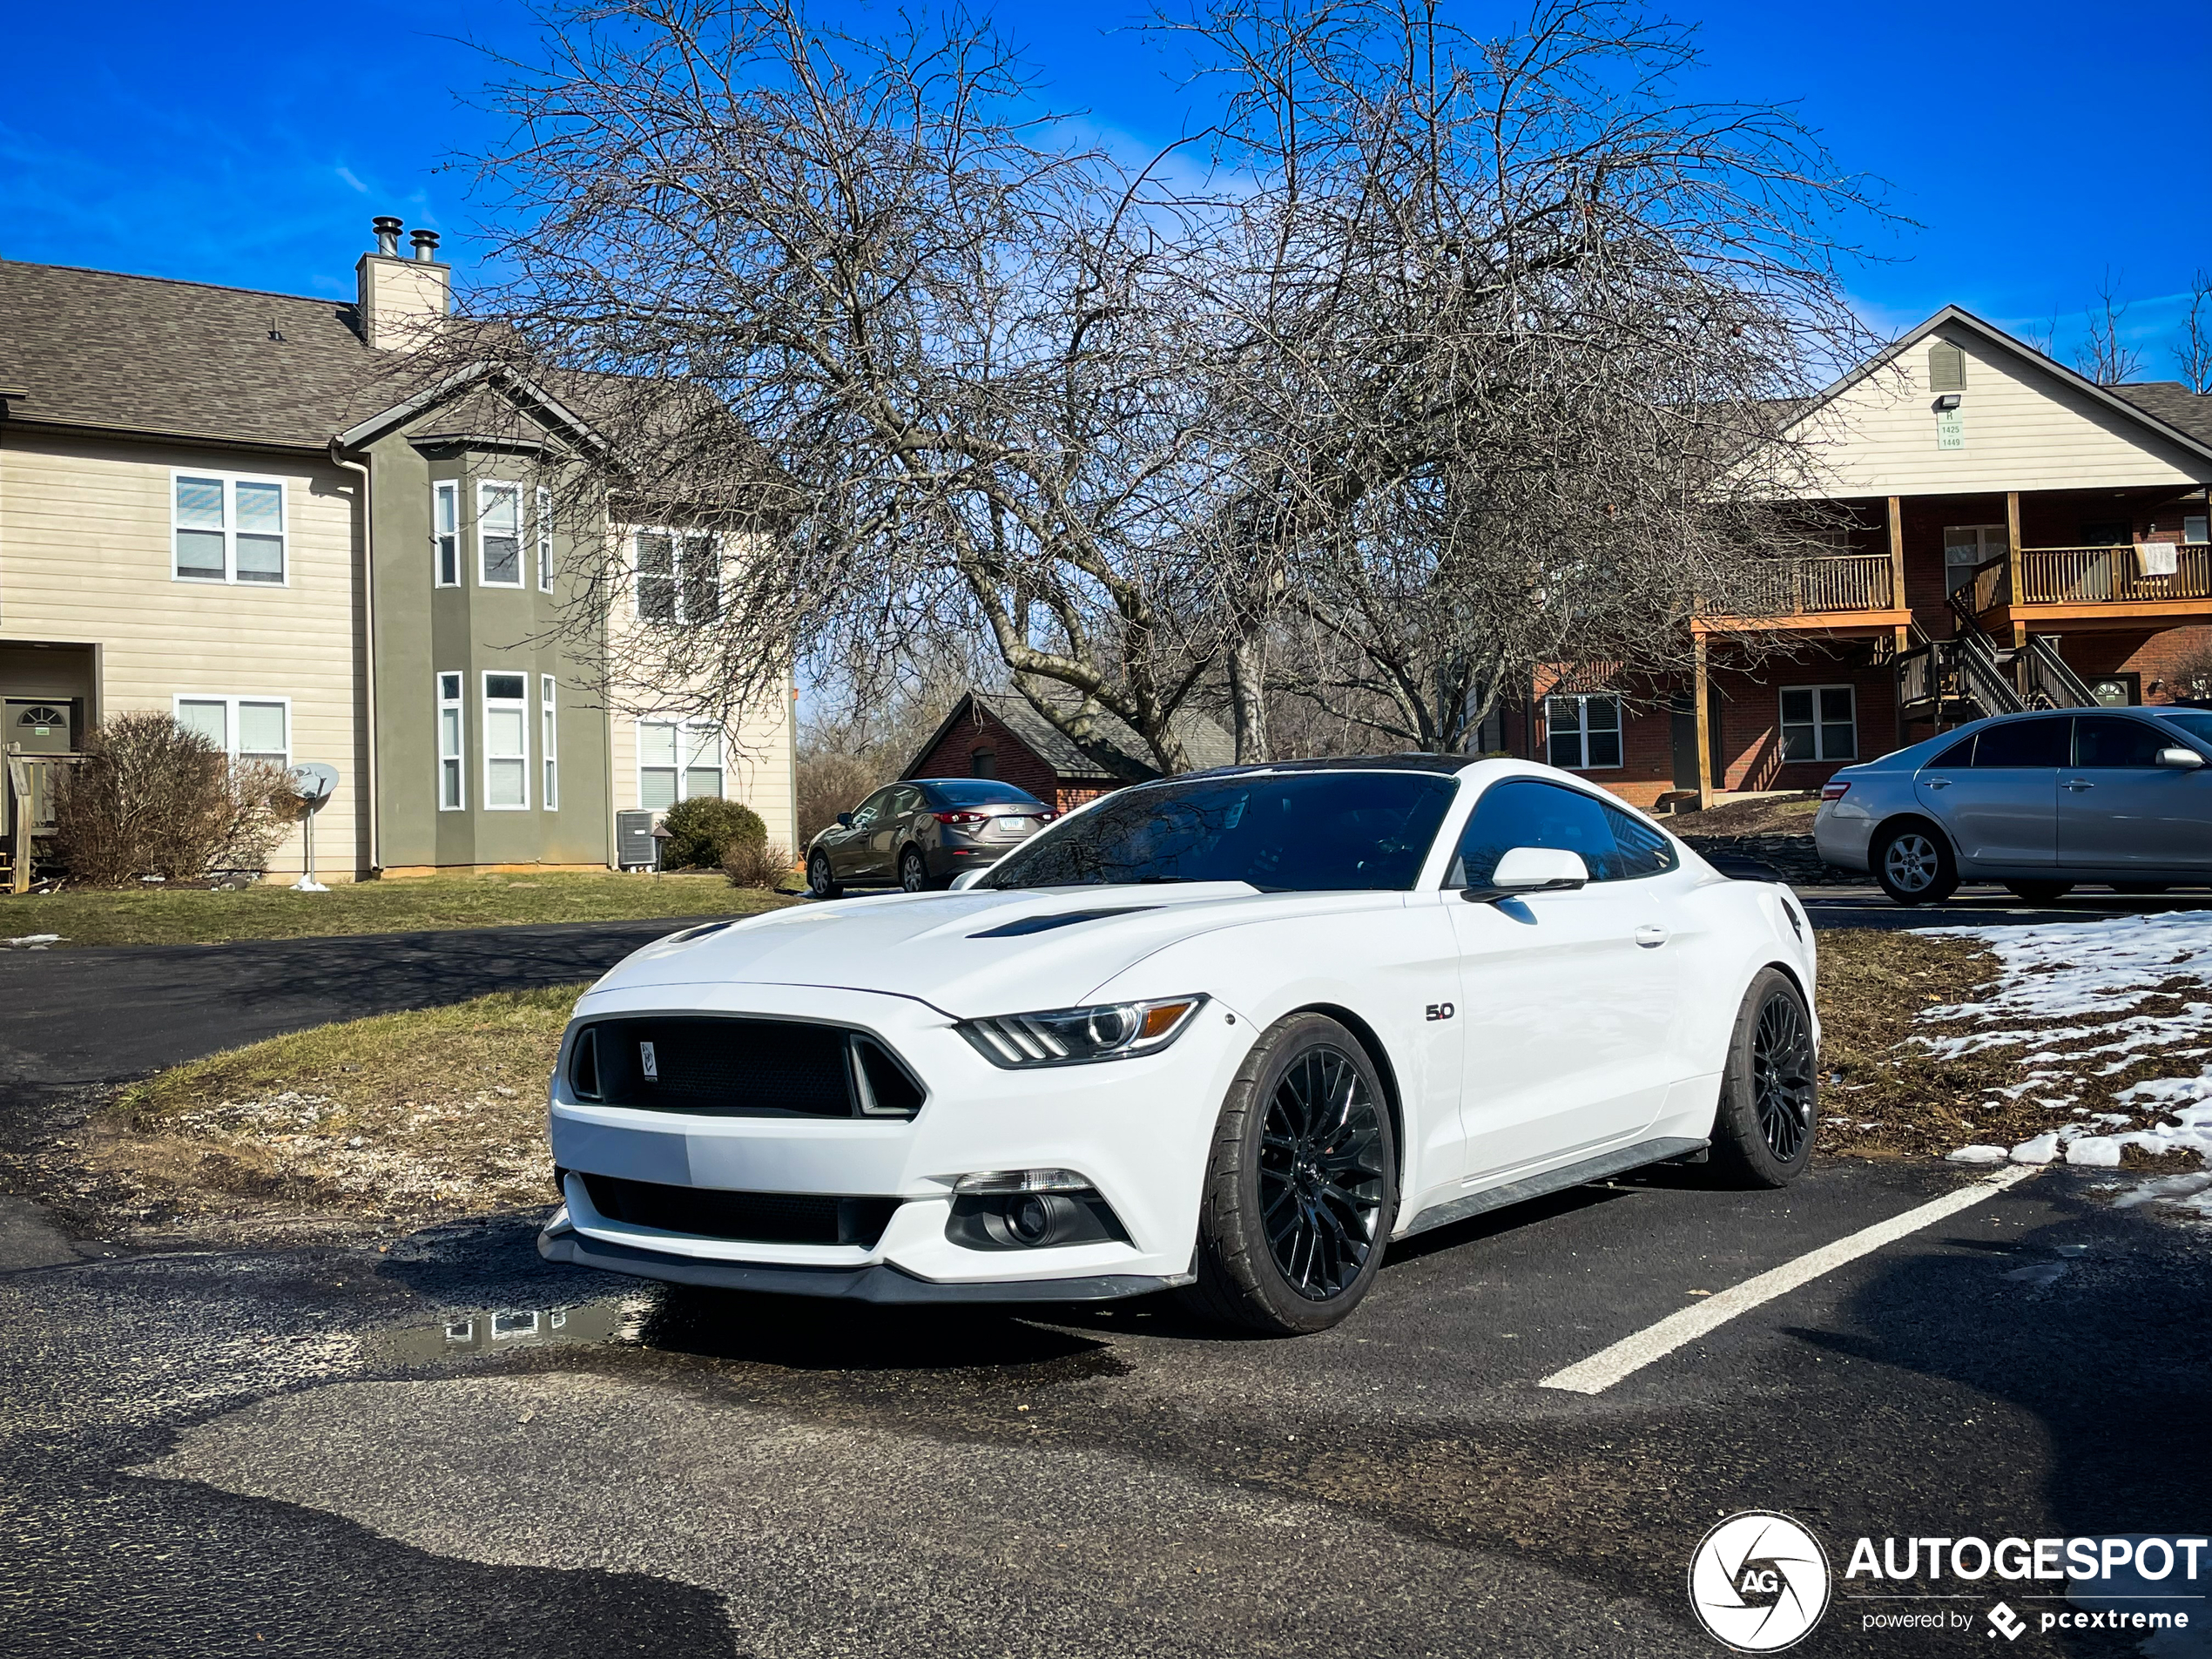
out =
column 313, row 782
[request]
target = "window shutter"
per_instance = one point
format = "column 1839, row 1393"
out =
column 1946, row 367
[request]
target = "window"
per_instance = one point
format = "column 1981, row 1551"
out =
column 228, row 527
column 452, row 793
column 983, row 764
column 445, row 534
column 1819, row 722
column 244, row 728
column 2196, row 527
column 678, row 759
column 1525, row 811
column 2106, row 740
column 2023, row 743
column 679, row 576
column 499, row 534
column 548, row 746
column 545, row 540
column 507, row 743
column 1966, row 546
column 1584, row 731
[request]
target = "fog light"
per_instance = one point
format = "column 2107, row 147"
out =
column 1029, row 1219
column 1023, row 1181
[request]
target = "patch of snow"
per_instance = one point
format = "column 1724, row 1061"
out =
column 34, row 941
column 2039, row 1150
column 1983, row 1154
column 2191, row 1191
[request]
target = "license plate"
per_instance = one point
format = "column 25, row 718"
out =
column 1014, row 826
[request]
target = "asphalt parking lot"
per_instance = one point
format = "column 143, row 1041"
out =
column 450, row 1448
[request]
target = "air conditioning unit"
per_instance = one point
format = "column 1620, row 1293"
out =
column 635, row 848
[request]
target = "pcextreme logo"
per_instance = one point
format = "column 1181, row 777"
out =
column 1758, row 1582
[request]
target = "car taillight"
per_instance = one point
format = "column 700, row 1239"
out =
column 1834, row 792
column 960, row 818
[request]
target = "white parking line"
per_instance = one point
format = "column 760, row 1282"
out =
column 1606, row 1366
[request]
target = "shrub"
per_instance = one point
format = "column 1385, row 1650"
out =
column 701, row 829
column 756, row 863
column 829, row 784
column 150, row 798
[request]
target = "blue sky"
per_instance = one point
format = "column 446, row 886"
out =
column 2037, row 146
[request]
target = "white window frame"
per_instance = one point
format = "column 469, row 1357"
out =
column 549, row 739
column 456, row 765
column 230, row 700
column 1581, row 701
column 445, row 544
column 230, row 481
column 682, row 770
column 485, row 487
column 544, row 506
column 1818, row 756
column 678, row 617
column 485, row 704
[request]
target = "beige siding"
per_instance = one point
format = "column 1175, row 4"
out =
column 2024, row 429
column 757, row 764
column 85, row 557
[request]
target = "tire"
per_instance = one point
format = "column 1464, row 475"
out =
column 1913, row 864
column 1305, row 1136
column 820, row 883
column 913, row 871
column 2039, row 892
column 2139, row 889
column 1770, row 1104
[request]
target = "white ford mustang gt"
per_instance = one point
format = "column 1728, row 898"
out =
column 1231, row 1032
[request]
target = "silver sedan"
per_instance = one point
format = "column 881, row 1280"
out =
column 2037, row 802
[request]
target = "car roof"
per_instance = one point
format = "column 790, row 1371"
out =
column 1413, row 760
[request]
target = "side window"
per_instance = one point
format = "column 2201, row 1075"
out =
column 1524, row 812
column 864, row 815
column 2109, row 741
column 905, row 802
column 1960, row 753
column 2024, row 743
column 1641, row 849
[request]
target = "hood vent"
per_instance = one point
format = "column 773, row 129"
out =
column 1059, row 919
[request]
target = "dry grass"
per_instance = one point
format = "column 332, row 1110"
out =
column 402, row 1119
column 1774, row 815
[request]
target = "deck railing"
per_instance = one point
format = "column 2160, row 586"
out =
column 31, row 780
column 2051, row 575
column 1799, row 586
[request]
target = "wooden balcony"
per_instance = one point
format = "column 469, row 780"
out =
column 31, row 780
column 2094, row 587
column 1834, row 592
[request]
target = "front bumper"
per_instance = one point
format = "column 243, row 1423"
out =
column 1139, row 1129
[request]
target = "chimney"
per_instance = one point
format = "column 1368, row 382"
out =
column 402, row 301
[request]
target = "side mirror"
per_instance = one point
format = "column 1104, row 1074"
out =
column 966, row 879
column 1531, row 869
column 845, row 821
column 2180, row 758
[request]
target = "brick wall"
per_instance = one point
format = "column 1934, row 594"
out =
column 1017, row 764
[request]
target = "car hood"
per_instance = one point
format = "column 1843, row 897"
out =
column 972, row 953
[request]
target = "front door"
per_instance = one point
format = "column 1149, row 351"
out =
column 2002, row 809
column 2120, row 810
column 1967, row 546
column 1570, row 997
column 852, row 854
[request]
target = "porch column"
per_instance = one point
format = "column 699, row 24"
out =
column 2012, row 565
column 1704, row 727
column 1896, row 556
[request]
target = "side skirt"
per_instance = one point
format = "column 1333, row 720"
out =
column 1618, row 1162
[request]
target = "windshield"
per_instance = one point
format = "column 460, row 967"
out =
column 979, row 792
column 1301, row 831
column 2197, row 722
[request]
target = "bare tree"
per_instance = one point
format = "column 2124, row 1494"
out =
column 2195, row 353
column 2103, row 356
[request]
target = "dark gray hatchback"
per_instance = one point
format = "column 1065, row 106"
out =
column 921, row 833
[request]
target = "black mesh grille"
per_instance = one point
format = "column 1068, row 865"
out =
column 751, row 1217
column 736, row 1066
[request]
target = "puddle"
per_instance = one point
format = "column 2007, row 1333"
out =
column 502, row 1330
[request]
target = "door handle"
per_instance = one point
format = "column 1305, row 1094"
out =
column 1650, row 935
column 2079, row 784
column 1937, row 783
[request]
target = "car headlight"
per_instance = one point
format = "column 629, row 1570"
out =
column 1075, row 1036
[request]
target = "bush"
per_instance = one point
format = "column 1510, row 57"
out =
column 756, row 863
column 831, row 783
column 150, row 798
column 703, row 829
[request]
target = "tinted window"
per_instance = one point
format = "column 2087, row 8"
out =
column 1524, row 812
column 979, row 792
column 904, row 801
column 1314, row 831
column 2023, row 743
column 865, row 813
column 1960, row 753
column 2104, row 741
column 2197, row 722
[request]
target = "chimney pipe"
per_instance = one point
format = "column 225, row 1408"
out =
column 426, row 246
column 386, row 226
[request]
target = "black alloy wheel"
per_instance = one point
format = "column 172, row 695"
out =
column 1321, row 1173
column 821, row 882
column 913, row 873
column 1783, row 1078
